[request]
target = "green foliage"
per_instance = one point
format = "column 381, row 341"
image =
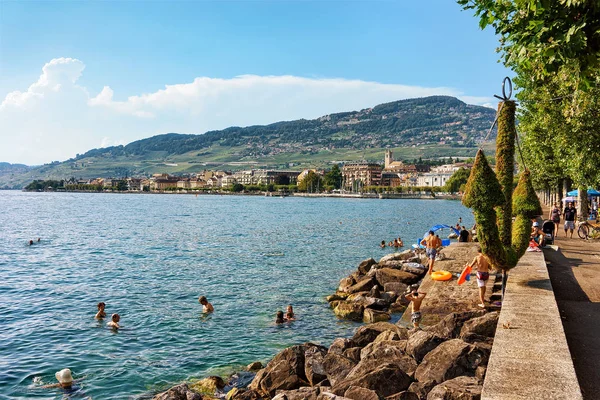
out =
column 237, row 187
column 334, row 177
column 482, row 191
column 525, row 200
column 505, row 161
column 312, row 183
column 543, row 35
column 38, row 185
column 457, row 181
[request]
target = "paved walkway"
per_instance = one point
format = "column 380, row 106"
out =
column 574, row 271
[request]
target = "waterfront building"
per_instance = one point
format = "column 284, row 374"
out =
column 361, row 173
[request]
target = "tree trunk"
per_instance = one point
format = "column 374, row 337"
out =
column 582, row 204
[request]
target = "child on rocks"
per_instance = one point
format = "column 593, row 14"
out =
column 416, row 298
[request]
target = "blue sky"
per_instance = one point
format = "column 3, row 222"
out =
column 116, row 59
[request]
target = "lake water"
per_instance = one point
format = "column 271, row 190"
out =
column 149, row 257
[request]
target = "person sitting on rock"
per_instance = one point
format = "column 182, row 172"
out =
column 289, row 315
column 416, row 298
column 279, row 317
column 206, row 306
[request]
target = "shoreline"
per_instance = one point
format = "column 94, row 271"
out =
column 378, row 351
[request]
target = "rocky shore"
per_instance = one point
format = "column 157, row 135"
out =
column 446, row 360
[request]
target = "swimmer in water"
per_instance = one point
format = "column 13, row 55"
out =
column 279, row 317
column 289, row 315
column 206, row 306
column 114, row 323
column 64, row 378
column 101, row 314
column 382, row 245
column 31, row 242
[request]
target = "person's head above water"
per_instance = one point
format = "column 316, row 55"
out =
column 115, row 317
column 30, row 242
column 101, row 305
column 279, row 317
column 202, row 300
column 64, row 377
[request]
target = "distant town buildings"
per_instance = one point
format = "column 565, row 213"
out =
column 361, row 174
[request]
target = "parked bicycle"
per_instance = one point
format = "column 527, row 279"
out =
column 588, row 229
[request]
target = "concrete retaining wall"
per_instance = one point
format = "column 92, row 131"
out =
column 530, row 358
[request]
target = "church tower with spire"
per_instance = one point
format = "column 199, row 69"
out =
column 389, row 158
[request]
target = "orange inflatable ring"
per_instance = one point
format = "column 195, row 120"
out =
column 441, row 276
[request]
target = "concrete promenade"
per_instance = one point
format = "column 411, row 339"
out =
column 530, row 358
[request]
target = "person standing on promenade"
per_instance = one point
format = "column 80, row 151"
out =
column 483, row 274
column 555, row 217
column 431, row 243
column 570, row 214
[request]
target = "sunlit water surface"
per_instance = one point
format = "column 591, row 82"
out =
column 149, row 257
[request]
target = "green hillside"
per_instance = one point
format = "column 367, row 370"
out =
column 437, row 126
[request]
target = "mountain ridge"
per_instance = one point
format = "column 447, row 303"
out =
column 426, row 126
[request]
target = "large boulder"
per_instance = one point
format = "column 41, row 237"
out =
column 461, row 388
column 340, row 344
column 450, row 326
column 395, row 264
column 446, row 361
column 398, row 288
column 330, row 396
column 179, row 392
column 304, row 393
column 365, row 266
column 353, row 353
column 208, row 385
column 370, row 316
column 414, row 268
column 367, row 333
column 336, row 297
column 337, row 367
column 254, row 367
column 313, row 364
column 345, row 284
column 389, row 297
column 387, row 275
column 284, row 372
column 387, row 335
column 363, row 285
column 421, row 389
column 482, row 326
column 243, row 394
column 405, row 255
column 359, row 393
column 422, row 342
column 349, row 310
column 370, row 302
column 386, row 379
column 390, row 352
column 406, row 395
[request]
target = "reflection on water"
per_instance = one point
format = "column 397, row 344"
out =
column 149, row 257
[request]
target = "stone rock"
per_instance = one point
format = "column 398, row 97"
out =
column 446, row 361
column 397, row 287
column 359, row 393
column 480, row 373
column 461, row 388
column 386, row 336
column 391, row 352
column 370, row 316
column 479, row 355
column 242, row 394
column 389, row 297
column 330, row 396
column 406, row 395
column 421, row 389
column 349, row 310
column 335, row 303
column 284, row 372
column 450, row 326
column 364, row 285
column 414, row 268
column 353, row 353
column 397, row 308
column 313, row 365
column 405, row 255
column 334, row 297
column 255, row 366
column 483, row 326
column 366, row 265
column 385, row 380
column 339, row 345
column 394, row 264
column 367, row 333
column 208, row 385
column 370, row 302
column 346, row 283
column 386, row 275
column 304, row 393
column 179, row 392
column 337, row 367
column 357, row 295
column 422, row 342
column 415, row 259
column 375, row 292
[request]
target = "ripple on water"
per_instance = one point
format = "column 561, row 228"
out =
column 150, row 257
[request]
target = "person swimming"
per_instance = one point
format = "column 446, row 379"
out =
column 382, row 245
column 206, row 306
column 101, row 314
column 279, row 317
column 289, row 315
column 114, row 323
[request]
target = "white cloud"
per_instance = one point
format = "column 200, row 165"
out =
column 55, row 118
